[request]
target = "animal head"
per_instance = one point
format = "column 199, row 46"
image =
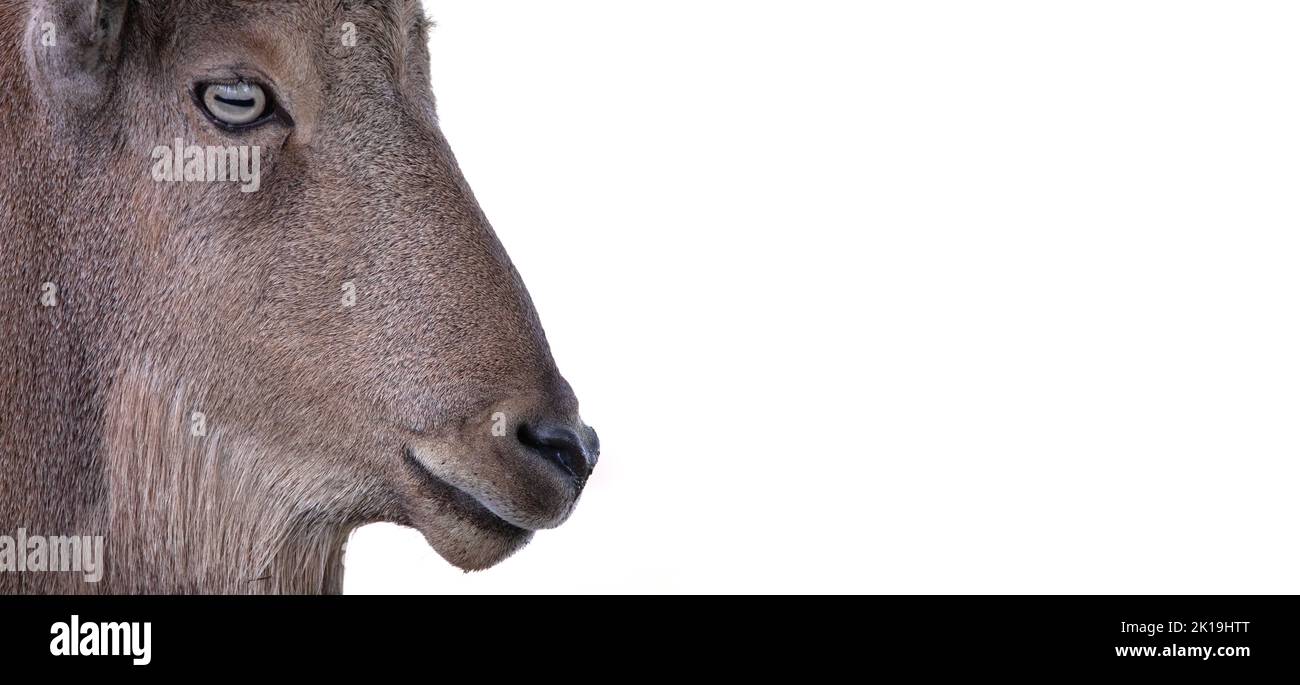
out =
column 275, row 270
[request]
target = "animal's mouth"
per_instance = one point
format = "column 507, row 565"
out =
column 479, row 500
column 460, row 503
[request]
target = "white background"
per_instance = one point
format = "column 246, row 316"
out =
column 883, row 297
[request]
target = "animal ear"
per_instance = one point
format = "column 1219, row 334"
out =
column 72, row 48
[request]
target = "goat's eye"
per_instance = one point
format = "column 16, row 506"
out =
column 234, row 104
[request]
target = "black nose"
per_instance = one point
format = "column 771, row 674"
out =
column 574, row 451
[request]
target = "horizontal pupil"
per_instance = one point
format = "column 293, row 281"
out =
column 228, row 101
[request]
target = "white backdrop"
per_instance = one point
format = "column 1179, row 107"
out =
column 896, row 296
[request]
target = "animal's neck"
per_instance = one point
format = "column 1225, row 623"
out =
column 194, row 508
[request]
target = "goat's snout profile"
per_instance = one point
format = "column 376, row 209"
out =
column 534, row 459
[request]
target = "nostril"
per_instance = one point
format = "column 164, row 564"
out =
column 561, row 445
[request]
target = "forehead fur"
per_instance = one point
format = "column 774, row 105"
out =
column 390, row 26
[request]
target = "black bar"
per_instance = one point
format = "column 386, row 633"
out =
column 664, row 635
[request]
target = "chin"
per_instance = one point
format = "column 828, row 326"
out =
column 475, row 547
column 464, row 532
column 476, row 551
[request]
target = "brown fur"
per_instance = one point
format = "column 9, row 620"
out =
column 176, row 298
